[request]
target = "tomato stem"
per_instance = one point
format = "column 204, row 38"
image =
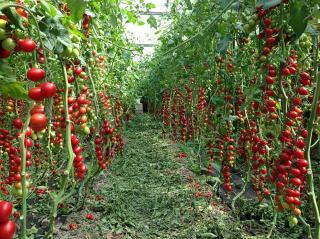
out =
column 310, row 128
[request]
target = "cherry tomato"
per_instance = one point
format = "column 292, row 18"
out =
column 27, row 45
column 8, row 44
column 35, row 94
column 36, row 74
column 7, row 230
column 5, row 212
column 48, row 89
column 38, row 122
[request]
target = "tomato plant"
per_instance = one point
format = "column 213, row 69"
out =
column 61, row 93
column 244, row 88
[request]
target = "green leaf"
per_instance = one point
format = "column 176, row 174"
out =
column 77, row 8
column 48, row 8
column 14, row 17
column 113, row 20
column 152, row 22
column 189, row 5
column 15, row 90
column 140, row 23
column 299, row 13
column 223, row 44
column 150, row 6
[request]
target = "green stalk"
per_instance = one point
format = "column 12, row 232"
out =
column 284, row 99
column 23, row 175
column 96, row 104
column 307, row 155
column 58, row 198
column 243, row 188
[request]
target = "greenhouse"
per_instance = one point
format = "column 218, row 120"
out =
column 159, row 119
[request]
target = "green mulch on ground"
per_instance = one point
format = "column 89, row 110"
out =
column 147, row 193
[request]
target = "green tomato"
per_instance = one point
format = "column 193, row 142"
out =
column 34, row 136
column 3, row 34
column 19, row 34
column 247, row 28
column 75, row 39
column 255, row 17
column 17, row 192
column 263, row 58
column 293, row 221
column 40, row 136
column 8, row 44
column 3, row 23
column 252, row 22
column 86, row 130
column 75, row 53
column 68, row 51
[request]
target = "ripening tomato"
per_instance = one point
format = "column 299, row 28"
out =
column 48, row 89
column 7, row 230
column 5, row 212
column 38, row 122
column 36, row 74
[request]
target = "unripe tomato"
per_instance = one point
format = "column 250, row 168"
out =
column 3, row 23
column 8, row 44
column 3, row 34
column 5, row 212
column 36, row 74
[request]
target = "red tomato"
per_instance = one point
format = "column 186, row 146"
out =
column 5, row 212
column 37, row 109
column 48, row 89
column 77, row 70
column 82, row 100
column 7, row 230
column 35, row 94
column 36, row 74
column 38, row 122
column 27, row 45
column 17, row 123
column 4, row 53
